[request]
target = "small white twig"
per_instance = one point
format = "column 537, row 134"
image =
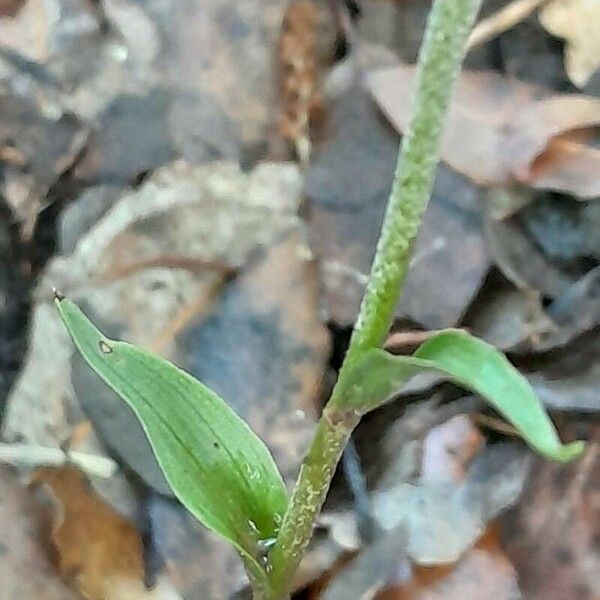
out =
column 503, row 20
column 32, row 455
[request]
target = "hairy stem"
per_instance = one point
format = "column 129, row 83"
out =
column 440, row 58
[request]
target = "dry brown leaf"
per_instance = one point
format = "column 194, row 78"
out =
column 9, row 8
column 578, row 23
column 552, row 536
column 26, row 572
column 500, row 131
column 98, row 552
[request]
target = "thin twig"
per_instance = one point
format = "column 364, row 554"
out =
column 503, row 20
column 32, row 455
column 184, row 263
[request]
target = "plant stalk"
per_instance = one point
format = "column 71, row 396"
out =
column 440, row 59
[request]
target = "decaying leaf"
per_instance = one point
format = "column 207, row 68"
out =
column 26, row 570
column 545, row 252
column 576, row 21
column 552, row 535
column 395, row 566
column 225, row 108
column 508, row 317
column 514, row 319
column 500, row 131
column 122, row 146
column 565, row 230
column 98, row 552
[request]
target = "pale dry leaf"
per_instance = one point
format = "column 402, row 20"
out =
column 449, row 448
column 504, row 19
column 484, row 573
column 501, row 131
column 578, row 23
column 494, row 482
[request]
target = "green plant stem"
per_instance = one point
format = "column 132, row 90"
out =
column 440, row 58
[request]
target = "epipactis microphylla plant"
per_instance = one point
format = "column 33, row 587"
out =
column 218, row 468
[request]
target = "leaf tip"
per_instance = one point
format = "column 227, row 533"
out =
column 569, row 451
column 58, row 295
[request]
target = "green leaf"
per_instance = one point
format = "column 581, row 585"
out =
column 217, row 467
column 472, row 364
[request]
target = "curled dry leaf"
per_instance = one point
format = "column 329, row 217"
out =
column 99, row 553
column 514, row 319
column 500, row 131
column 508, row 317
column 26, row 571
column 522, row 262
column 504, row 19
column 576, row 21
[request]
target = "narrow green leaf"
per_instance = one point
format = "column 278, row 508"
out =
column 218, row 468
column 472, row 364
